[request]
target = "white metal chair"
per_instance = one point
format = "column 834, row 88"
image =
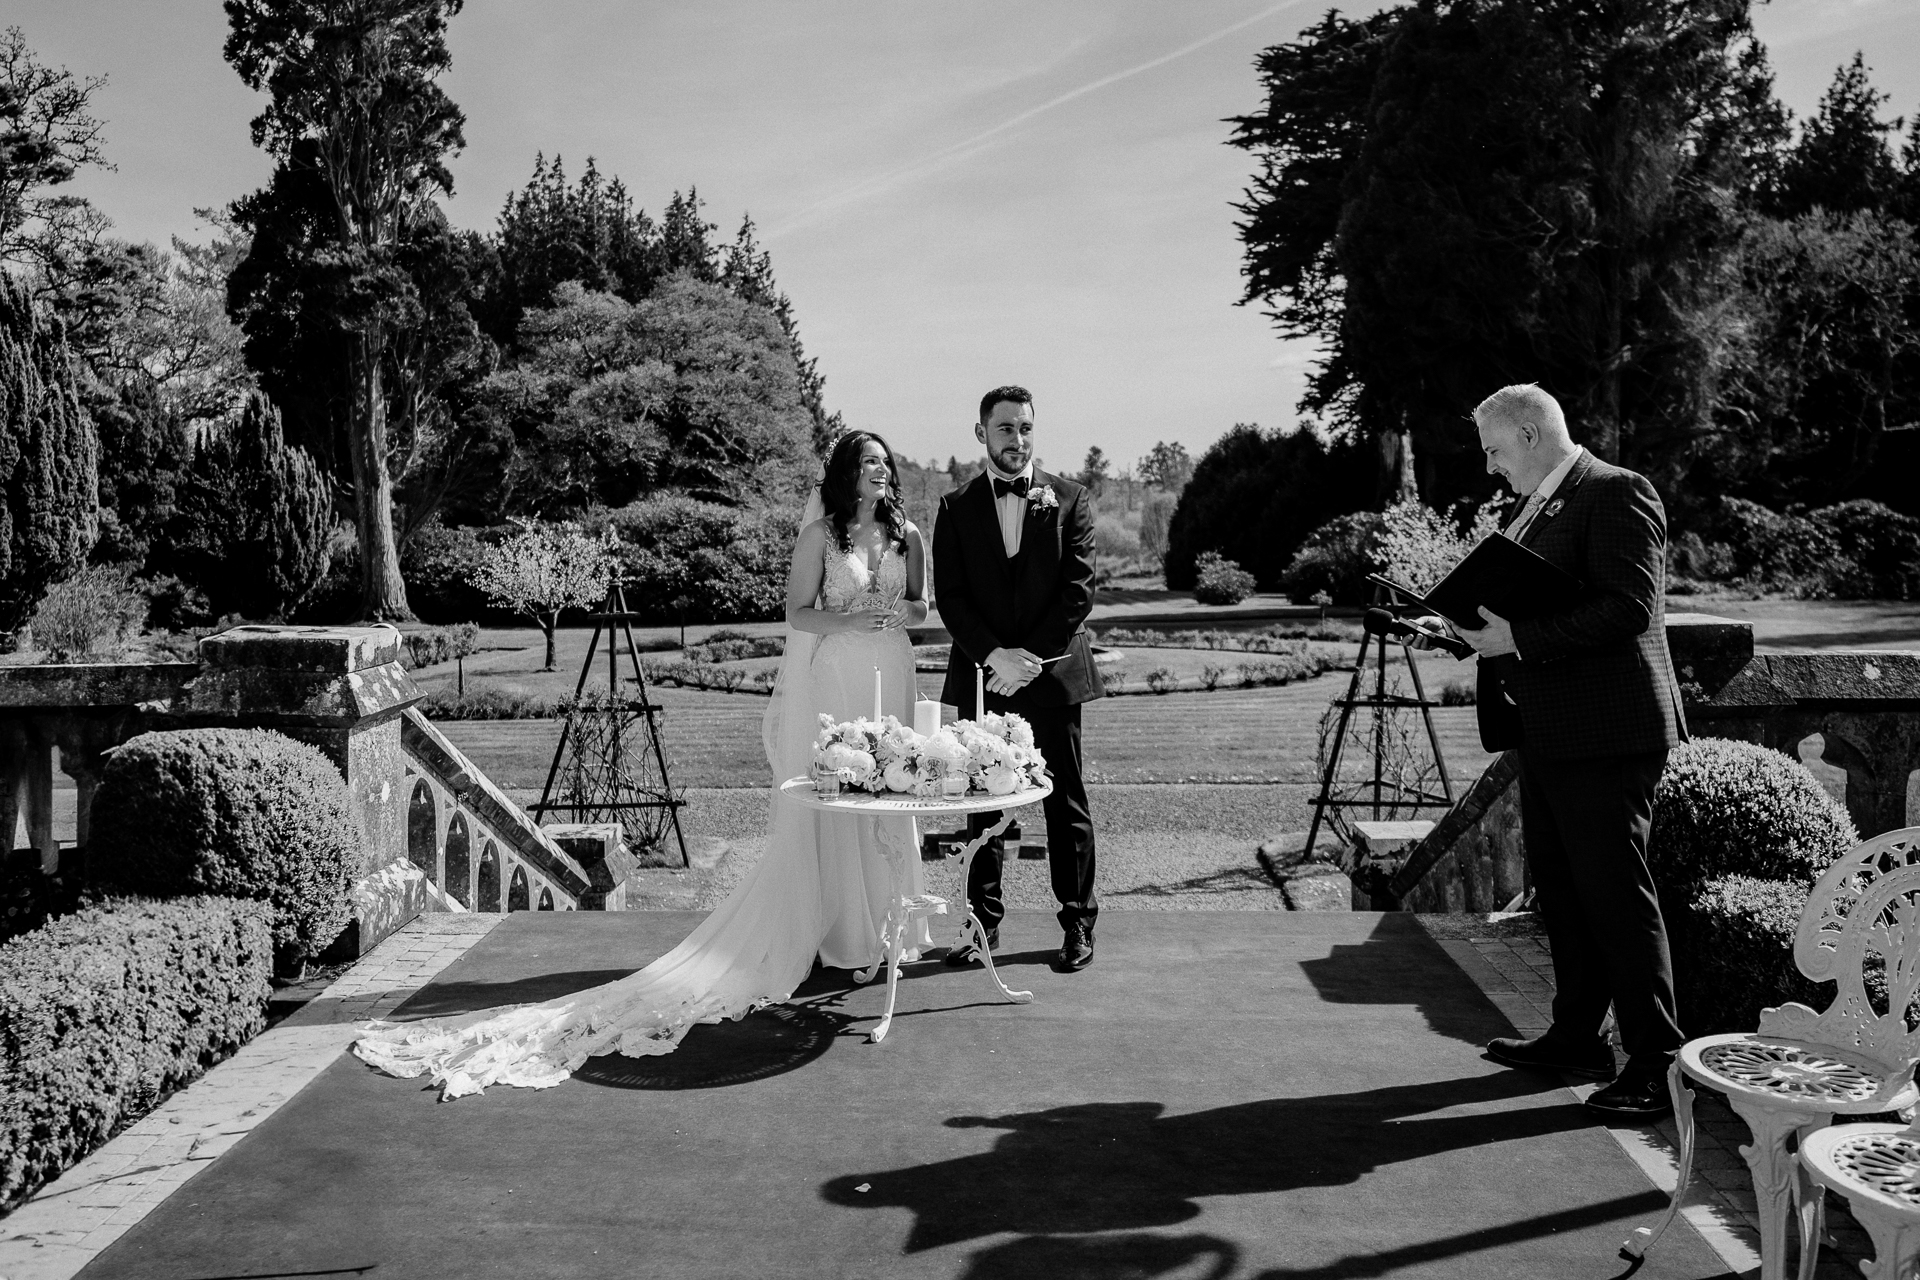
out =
column 1800, row 1069
column 1877, row 1168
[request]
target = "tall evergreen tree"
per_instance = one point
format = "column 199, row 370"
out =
column 1464, row 193
column 748, row 271
column 252, row 518
column 1843, row 160
column 49, row 459
column 358, row 80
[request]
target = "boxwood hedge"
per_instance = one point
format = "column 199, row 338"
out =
column 245, row 813
column 106, row 1011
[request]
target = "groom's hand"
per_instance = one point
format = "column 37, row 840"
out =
column 1011, row 670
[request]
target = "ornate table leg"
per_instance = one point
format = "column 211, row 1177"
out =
column 971, row 928
column 893, row 934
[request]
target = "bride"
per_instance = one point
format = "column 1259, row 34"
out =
column 858, row 579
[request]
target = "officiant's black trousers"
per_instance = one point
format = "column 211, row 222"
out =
column 1056, row 731
column 1585, row 824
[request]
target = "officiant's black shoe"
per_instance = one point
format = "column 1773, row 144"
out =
column 1076, row 953
column 969, row 954
column 1641, row 1093
column 1593, row 1062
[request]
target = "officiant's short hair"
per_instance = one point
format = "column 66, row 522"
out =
column 1009, row 393
column 1524, row 402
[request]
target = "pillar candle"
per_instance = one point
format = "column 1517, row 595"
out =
column 979, row 694
column 876, row 695
column 926, row 717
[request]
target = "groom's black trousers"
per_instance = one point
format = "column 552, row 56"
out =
column 1056, row 731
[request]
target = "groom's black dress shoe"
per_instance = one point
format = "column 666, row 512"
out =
column 1594, row 1061
column 1640, row 1093
column 1076, row 953
column 969, row 954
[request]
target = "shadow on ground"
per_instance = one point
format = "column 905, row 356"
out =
column 1126, row 1166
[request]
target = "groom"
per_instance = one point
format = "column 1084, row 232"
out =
column 1013, row 580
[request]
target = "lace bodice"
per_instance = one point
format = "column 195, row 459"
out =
column 848, row 586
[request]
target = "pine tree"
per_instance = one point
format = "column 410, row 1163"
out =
column 48, row 459
column 748, row 271
column 1843, row 161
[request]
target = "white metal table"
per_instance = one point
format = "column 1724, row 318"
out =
column 904, row 908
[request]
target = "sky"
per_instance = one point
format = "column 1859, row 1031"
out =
column 954, row 195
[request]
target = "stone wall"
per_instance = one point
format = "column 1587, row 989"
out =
column 341, row 689
column 1864, row 705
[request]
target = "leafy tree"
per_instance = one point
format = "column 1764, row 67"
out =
column 1096, row 471
column 1455, row 195
column 1843, row 161
column 727, row 564
column 48, row 133
column 252, row 518
column 48, row 458
column 546, row 569
column 748, row 271
column 692, row 388
column 1255, row 495
column 1832, row 302
column 1167, row 466
column 353, row 93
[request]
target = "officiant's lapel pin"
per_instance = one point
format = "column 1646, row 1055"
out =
column 1553, row 508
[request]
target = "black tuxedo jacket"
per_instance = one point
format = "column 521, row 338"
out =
column 1595, row 680
column 1037, row 601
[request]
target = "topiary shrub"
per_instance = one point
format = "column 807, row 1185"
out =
column 105, row 1012
column 1739, row 960
column 1740, row 835
column 1726, row 808
column 1220, row 580
column 245, row 813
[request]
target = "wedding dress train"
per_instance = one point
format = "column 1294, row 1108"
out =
column 822, row 888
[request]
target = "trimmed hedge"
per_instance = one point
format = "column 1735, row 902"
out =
column 105, row 1012
column 1727, row 808
column 245, row 813
column 1737, row 955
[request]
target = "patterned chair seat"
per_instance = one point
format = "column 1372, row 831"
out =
column 1877, row 1168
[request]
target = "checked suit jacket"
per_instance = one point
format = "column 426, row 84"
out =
column 1038, row 601
column 1595, row 680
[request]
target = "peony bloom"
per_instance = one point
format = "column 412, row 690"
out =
column 1002, row 781
column 900, row 776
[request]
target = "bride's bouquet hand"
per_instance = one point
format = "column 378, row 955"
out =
column 899, row 616
column 869, row 621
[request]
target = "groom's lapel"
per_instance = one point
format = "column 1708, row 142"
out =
column 986, row 520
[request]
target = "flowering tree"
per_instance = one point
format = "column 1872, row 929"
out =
column 544, row 569
column 1417, row 545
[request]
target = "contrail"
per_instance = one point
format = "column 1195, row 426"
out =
column 871, row 186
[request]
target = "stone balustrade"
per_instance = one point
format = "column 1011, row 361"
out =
column 1865, row 706
column 439, row 834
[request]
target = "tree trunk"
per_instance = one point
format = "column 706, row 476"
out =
column 548, row 624
column 383, row 595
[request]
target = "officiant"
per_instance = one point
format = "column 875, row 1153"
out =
column 1588, row 698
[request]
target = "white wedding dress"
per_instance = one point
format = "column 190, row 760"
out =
column 822, row 888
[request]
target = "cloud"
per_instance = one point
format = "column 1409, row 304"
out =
column 879, row 184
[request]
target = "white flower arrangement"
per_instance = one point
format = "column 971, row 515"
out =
column 1042, row 499
column 995, row 755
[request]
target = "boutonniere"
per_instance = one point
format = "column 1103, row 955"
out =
column 1553, row 508
column 1042, row 499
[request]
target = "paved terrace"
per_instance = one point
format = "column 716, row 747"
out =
column 1230, row 1094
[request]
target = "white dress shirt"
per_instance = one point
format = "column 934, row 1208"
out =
column 1012, row 508
column 1530, row 510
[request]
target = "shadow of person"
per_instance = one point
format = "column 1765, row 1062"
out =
column 1125, row 1166
column 1138, row 1256
column 1400, row 963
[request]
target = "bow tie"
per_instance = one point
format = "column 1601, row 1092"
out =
column 1017, row 487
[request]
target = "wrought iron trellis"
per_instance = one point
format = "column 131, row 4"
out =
column 602, row 773
column 1380, row 792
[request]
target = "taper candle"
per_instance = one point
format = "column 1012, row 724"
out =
column 876, row 695
column 979, row 693
column 926, row 717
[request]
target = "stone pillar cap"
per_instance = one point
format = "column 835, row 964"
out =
column 328, row 650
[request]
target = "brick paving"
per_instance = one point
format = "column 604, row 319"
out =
column 1510, row 963
column 55, row 1234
